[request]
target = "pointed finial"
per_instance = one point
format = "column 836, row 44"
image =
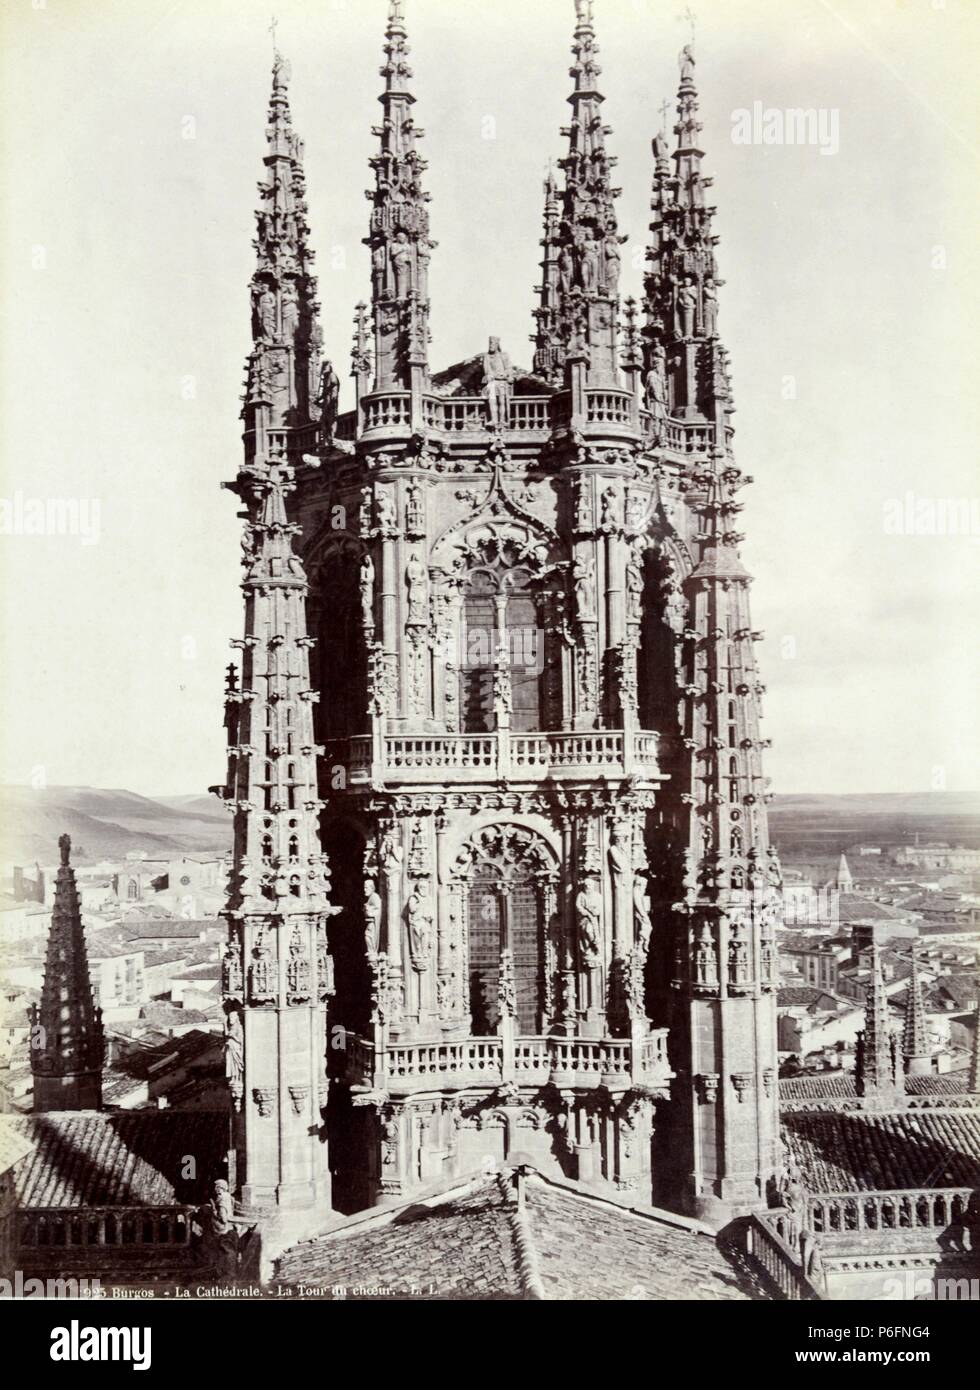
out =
column 273, row 26
column 64, row 844
column 664, row 113
column 692, row 22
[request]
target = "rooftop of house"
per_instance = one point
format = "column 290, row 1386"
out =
column 810, row 997
column 848, row 1151
column 471, row 1240
column 852, row 907
column 841, row 1085
column 88, row 1158
column 173, row 928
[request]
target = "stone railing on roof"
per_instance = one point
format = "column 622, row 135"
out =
column 772, row 1248
column 493, row 756
column 405, row 1067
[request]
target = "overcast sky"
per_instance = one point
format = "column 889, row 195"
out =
column 133, row 133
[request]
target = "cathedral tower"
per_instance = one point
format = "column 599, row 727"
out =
column 67, row 1038
column 276, row 974
column 537, row 741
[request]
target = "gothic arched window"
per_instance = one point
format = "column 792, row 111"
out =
column 501, row 620
column 509, row 891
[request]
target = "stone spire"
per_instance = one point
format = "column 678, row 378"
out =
column 879, row 1077
column 549, row 356
column 276, row 971
column 399, row 230
column 683, row 347
column 915, row 1046
column 974, row 1080
column 283, row 368
column 844, row 881
column 67, row 1038
column 579, row 298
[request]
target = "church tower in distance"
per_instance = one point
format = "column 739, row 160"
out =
column 527, row 744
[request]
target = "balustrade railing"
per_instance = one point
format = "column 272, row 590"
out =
column 480, row 756
column 575, row 1061
column 608, row 408
column 54, row 1228
column 771, row 1253
column 926, row 1209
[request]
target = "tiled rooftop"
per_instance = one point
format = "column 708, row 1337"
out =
column 88, row 1158
column 840, row 1085
column 861, row 1152
column 469, row 1242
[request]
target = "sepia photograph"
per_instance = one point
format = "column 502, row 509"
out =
column 489, row 774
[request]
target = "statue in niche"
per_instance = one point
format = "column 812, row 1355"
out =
column 391, row 855
column 709, row 309
column 419, row 926
column 417, row 579
column 583, row 573
column 379, row 270
column 609, row 509
column 589, row 264
column 401, row 262
column 414, row 510
column 328, row 399
column 612, row 262
column 235, row 1056
column 687, row 304
column 385, row 511
column 366, row 586
column 372, row 917
column 264, row 323
column 588, row 916
column 498, row 377
column 290, row 309
column 566, row 268
column 634, row 586
column 642, row 921
column 620, row 852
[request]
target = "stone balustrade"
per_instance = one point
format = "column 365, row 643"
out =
column 404, row 1067
column 488, row 757
column 768, row 1249
column 60, row 1230
column 925, row 1209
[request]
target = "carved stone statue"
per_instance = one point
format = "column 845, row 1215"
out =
column 588, row 915
column 419, row 927
column 634, row 587
column 566, row 268
column 612, row 263
column 642, row 923
column 686, row 63
column 583, row 573
column 235, row 1056
column 366, row 586
column 417, row 579
column 709, row 309
column 401, row 262
column 328, row 399
column 372, row 916
column 589, row 265
column 687, row 303
column 498, row 377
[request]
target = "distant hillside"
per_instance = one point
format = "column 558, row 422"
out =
column 822, row 826
column 108, row 824
column 103, row 824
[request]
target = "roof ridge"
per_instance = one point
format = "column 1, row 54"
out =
column 525, row 1250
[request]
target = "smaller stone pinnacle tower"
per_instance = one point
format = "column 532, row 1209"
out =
column 915, row 1045
column 67, row 1039
column 879, row 1078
